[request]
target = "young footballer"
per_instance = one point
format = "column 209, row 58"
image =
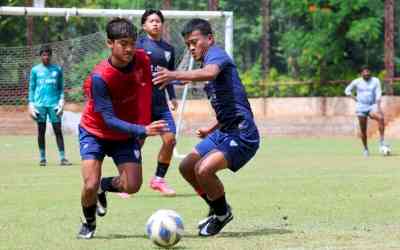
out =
column 228, row 144
column 161, row 54
column 368, row 99
column 46, row 99
column 115, row 121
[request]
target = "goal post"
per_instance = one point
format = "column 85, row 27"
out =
column 77, row 55
column 177, row 14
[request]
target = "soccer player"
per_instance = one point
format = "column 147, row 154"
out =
column 368, row 98
column 161, row 54
column 46, row 99
column 114, row 122
column 229, row 143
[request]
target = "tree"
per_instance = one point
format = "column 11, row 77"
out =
column 389, row 41
column 265, row 43
column 213, row 5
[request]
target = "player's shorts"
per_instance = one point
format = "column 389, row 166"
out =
column 163, row 113
column 93, row 148
column 365, row 110
column 238, row 146
column 45, row 112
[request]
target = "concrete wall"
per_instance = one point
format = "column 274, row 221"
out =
column 309, row 116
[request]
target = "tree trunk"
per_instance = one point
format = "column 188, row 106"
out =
column 265, row 40
column 213, row 4
column 389, row 44
column 167, row 4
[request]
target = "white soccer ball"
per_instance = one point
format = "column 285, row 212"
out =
column 165, row 228
column 385, row 150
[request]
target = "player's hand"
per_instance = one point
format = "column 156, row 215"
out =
column 156, row 128
column 202, row 132
column 173, row 104
column 60, row 107
column 163, row 77
column 33, row 112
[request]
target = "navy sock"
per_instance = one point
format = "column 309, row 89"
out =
column 161, row 169
column 106, row 184
column 90, row 214
column 205, row 198
column 220, row 206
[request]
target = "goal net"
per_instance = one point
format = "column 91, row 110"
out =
column 78, row 41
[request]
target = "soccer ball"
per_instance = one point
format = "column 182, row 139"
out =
column 165, row 228
column 385, row 150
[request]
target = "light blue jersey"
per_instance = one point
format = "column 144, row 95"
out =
column 367, row 92
column 46, row 85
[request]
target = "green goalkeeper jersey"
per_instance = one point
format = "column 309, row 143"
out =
column 46, row 85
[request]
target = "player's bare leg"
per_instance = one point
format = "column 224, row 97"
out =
column 379, row 117
column 158, row 182
column 363, row 130
column 206, row 175
column 127, row 182
column 91, row 173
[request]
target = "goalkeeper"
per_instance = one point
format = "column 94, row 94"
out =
column 46, row 99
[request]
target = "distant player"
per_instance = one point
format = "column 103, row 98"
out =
column 228, row 144
column 161, row 54
column 368, row 98
column 114, row 122
column 46, row 99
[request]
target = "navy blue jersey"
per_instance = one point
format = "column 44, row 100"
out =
column 161, row 54
column 226, row 92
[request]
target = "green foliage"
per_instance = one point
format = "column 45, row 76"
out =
column 79, row 72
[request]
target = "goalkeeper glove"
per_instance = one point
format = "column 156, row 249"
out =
column 33, row 111
column 60, row 107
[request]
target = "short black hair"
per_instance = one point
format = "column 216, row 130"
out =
column 119, row 28
column 364, row 67
column 45, row 48
column 197, row 24
column 150, row 12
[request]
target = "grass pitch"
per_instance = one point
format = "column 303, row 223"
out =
column 295, row 194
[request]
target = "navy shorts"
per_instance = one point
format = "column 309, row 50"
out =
column 163, row 113
column 93, row 148
column 238, row 146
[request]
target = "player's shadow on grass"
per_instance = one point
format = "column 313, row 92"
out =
column 176, row 196
column 258, row 232
column 244, row 234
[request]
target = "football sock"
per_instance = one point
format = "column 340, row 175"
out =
column 90, row 214
column 59, row 136
column 106, row 184
column 42, row 154
column 62, row 155
column 41, row 140
column 203, row 195
column 161, row 169
column 220, row 207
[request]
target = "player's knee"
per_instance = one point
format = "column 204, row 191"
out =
column 170, row 142
column 91, row 185
column 132, row 188
column 186, row 166
column 203, row 172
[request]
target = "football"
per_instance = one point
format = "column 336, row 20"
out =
column 385, row 150
column 165, row 228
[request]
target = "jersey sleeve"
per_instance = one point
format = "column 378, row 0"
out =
column 378, row 90
column 103, row 105
column 349, row 88
column 218, row 57
column 32, row 86
column 171, row 66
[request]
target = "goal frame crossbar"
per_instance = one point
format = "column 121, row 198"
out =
column 128, row 13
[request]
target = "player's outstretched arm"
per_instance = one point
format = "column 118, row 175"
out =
column 164, row 76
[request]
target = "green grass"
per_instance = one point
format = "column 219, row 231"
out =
column 295, row 194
